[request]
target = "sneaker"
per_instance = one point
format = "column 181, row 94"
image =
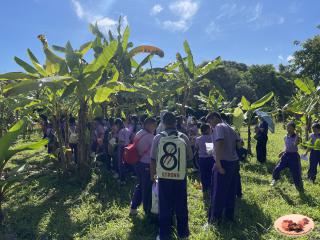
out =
column 133, row 212
column 158, row 237
column 273, row 182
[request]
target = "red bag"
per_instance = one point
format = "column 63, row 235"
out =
column 130, row 152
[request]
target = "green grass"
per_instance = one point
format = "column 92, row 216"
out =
column 44, row 207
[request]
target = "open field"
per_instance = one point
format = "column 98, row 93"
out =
column 43, row 207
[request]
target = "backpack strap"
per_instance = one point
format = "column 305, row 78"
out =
column 165, row 133
column 138, row 139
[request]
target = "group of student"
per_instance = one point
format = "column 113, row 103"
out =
column 169, row 144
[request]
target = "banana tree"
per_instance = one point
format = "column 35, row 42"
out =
column 249, row 109
column 92, row 82
column 70, row 77
column 6, row 153
column 188, row 75
column 128, row 69
column 41, row 81
column 306, row 102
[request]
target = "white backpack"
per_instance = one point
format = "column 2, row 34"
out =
column 171, row 158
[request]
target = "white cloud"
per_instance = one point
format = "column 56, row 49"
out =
column 266, row 49
column 290, row 58
column 213, row 29
column 106, row 24
column 156, row 9
column 255, row 12
column 78, row 9
column 228, row 11
column 93, row 16
column 184, row 10
column 180, row 25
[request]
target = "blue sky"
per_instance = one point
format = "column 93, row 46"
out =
column 249, row 31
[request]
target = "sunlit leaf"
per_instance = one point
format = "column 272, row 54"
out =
column 103, row 59
column 16, row 76
column 245, row 103
column 36, row 64
column 191, row 64
column 25, row 65
column 103, row 94
column 85, row 48
column 150, row 101
column 262, row 101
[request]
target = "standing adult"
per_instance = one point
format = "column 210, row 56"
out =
column 170, row 152
column 225, row 170
column 262, row 139
column 142, row 192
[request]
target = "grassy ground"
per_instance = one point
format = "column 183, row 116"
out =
column 43, row 207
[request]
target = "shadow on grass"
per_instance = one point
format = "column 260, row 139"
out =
column 308, row 199
column 254, row 180
column 262, row 168
column 305, row 198
column 26, row 218
column 109, row 190
column 140, row 224
column 285, row 196
column 250, row 223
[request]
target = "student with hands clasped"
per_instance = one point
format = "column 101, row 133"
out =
column 290, row 158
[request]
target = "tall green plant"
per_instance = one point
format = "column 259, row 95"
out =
column 188, row 75
column 249, row 109
column 305, row 102
column 6, row 153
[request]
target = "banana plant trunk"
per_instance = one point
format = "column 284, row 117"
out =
column 83, row 145
column 249, row 134
column 307, row 127
column 61, row 144
column 184, row 103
